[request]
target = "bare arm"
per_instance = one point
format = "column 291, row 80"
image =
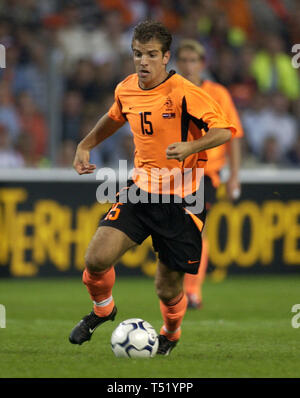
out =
column 104, row 128
column 214, row 137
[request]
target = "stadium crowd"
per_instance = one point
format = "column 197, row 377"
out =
column 248, row 46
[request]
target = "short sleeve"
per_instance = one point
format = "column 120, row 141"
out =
column 202, row 107
column 225, row 101
column 115, row 111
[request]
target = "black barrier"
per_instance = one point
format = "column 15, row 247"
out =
column 45, row 228
column 260, row 233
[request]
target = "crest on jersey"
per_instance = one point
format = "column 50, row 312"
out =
column 168, row 104
column 169, row 110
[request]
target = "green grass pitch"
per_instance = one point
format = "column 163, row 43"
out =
column 244, row 330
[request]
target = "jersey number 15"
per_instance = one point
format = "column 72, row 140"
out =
column 146, row 124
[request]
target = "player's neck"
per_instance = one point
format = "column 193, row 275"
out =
column 155, row 82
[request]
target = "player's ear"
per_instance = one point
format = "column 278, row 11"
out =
column 166, row 57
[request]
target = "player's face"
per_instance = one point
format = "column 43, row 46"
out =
column 190, row 65
column 150, row 63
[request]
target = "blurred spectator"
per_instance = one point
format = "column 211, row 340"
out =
column 273, row 70
column 138, row 11
column 270, row 117
column 126, row 148
column 72, row 116
column 9, row 157
column 253, row 122
column 223, row 37
column 72, row 37
column 5, row 29
column 107, row 42
column 107, row 78
column 66, row 154
column 238, row 13
column 127, row 67
column 293, row 156
column 34, row 124
column 118, row 147
column 226, row 68
column 282, row 123
column 270, row 151
column 166, row 12
column 125, row 8
column 95, row 156
column 190, row 24
column 296, row 113
column 33, row 76
column 22, row 11
column 294, row 25
column 244, row 86
column 12, row 75
column 83, row 80
column 266, row 18
column 24, row 146
column 8, row 114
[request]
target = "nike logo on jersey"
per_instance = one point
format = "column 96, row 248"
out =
column 193, row 262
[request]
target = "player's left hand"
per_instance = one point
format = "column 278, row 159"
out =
column 233, row 188
column 179, row 150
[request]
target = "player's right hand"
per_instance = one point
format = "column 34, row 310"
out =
column 82, row 162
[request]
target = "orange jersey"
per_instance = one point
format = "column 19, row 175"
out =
column 217, row 155
column 162, row 116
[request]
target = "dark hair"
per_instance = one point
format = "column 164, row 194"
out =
column 148, row 30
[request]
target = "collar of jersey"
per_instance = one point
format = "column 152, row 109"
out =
column 171, row 73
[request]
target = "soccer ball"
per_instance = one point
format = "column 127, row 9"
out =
column 134, row 338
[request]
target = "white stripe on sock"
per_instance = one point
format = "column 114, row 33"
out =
column 168, row 331
column 104, row 303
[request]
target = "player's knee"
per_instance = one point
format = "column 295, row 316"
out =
column 166, row 292
column 96, row 262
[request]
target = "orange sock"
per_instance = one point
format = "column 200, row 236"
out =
column 193, row 283
column 172, row 314
column 99, row 286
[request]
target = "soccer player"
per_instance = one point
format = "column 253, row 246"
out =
column 190, row 58
column 159, row 107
